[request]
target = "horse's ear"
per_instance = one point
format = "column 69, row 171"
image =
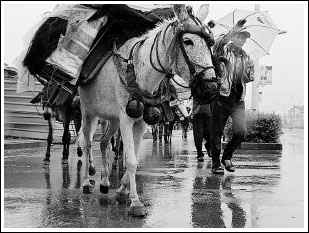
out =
column 202, row 12
column 181, row 12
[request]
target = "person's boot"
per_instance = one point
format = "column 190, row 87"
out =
column 228, row 165
column 208, row 150
column 217, row 169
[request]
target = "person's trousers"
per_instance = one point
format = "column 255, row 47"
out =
column 154, row 130
column 161, row 130
column 221, row 110
column 201, row 130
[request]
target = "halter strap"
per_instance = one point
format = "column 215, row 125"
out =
column 130, row 59
column 208, row 41
column 156, row 43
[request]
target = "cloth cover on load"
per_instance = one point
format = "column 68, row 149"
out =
column 73, row 48
column 74, row 14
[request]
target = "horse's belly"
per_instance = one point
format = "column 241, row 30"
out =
column 99, row 98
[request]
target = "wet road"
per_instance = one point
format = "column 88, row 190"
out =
column 265, row 191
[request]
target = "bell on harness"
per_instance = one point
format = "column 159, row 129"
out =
column 135, row 108
column 152, row 115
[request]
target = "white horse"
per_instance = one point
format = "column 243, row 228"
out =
column 106, row 97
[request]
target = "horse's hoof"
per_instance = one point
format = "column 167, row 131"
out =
column 114, row 165
column 92, row 182
column 137, row 211
column 122, row 197
column 65, row 161
column 92, row 170
column 88, row 188
column 46, row 161
column 104, row 189
column 79, row 152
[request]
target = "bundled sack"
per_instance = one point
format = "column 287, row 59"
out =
column 74, row 47
column 49, row 41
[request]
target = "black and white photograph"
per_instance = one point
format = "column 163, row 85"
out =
column 154, row 116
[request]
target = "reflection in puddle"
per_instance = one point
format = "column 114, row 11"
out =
column 176, row 189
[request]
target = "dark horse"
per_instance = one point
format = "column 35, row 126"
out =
column 171, row 114
column 65, row 113
column 179, row 118
column 58, row 96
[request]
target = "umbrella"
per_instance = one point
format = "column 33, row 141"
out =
column 259, row 24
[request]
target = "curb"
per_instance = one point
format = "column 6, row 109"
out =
column 258, row 148
column 23, row 144
column 28, row 143
column 147, row 135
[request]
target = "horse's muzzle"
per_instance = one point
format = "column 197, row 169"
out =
column 205, row 87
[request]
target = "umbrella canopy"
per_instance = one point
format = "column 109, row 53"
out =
column 259, row 24
column 149, row 7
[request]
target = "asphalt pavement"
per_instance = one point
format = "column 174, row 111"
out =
column 267, row 190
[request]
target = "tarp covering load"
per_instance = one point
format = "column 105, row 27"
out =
column 69, row 45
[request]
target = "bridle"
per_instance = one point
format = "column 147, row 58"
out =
column 179, row 30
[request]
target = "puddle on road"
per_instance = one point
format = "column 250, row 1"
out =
column 177, row 192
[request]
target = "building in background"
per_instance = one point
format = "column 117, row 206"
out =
column 263, row 77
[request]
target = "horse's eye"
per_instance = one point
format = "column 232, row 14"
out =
column 188, row 42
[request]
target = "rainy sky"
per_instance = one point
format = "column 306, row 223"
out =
column 286, row 55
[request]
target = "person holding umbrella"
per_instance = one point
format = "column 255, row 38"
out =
column 237, row 72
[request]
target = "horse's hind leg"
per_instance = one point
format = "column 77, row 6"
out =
column 66, row 138
column 89, row 125
column 107, row 156
column 77, row 124
column 47, row 116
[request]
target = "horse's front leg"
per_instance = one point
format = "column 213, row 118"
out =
column 171, row 131
column 107, row 156
column 130, row 141
column 47, row 116
column 89, row 125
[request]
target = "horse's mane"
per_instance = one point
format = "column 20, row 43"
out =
column 152, row 32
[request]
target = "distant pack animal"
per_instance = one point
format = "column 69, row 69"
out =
column 65, row 113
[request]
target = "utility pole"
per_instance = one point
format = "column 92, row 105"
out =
column 255, row 85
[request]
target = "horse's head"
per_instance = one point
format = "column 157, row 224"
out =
column 190, row 53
